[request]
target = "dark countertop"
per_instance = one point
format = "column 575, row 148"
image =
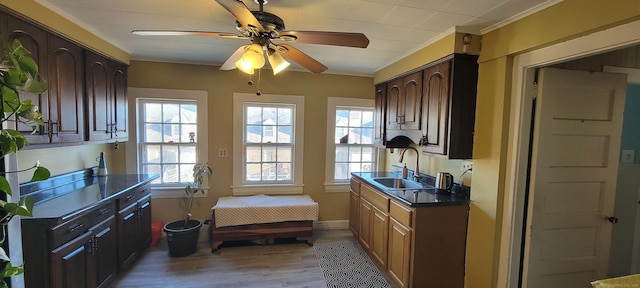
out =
column 64, row 198
column 422, row 197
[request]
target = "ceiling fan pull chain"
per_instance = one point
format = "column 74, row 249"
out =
column 259, row 77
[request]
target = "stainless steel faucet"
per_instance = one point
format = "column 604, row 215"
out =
column 416, row 174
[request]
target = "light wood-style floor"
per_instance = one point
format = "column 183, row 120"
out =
column 248, row 266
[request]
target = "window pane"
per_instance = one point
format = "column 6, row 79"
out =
column 169, row 154
column 342, row 118
column 367, row 154
column 186, row 173
column 152, row 133
column 170, row 113
column 284, row 116
column 342, row 154
column 355, row 118
column 284, row 154
column 187, row 154
column 284, row 171
column 367, row 119
column 354, row 135
column 268, row 134
column 189, row 113
column 151, row 154
column 253, row 172
column 153, row 169
column 152, row 112
column 355, row 155
column 342, row 135
column 269, row 115
column 284, row 134
column 354, row 167
column 254, row 134
column 185, row 137
column 254, row 115
column 170, row 173
column 268, row 154
column 341, row 171
column 367, row 136
column 367, row 167
column 254, row 154
column 171, row 133
column 269, row 171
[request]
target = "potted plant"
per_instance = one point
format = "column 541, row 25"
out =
column 182, row 235
column 18, row 72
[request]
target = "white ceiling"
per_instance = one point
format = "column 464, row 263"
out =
column 396, row 28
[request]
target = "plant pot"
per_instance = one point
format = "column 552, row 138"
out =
column 182, row 241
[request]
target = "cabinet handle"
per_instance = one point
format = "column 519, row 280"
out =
column 74, row 227
column 54, row 128
column 103, row 211
column 91, row 248
column 128, row 198
column 95, row 245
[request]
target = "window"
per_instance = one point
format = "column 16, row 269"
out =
column 168, row 137
column 349, row 141
column 268, row 133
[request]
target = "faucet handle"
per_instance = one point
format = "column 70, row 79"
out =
column 416, row 177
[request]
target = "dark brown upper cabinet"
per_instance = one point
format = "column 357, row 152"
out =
column 380, row 115
column 403, row 102
column 106, row 90
column 449, row 107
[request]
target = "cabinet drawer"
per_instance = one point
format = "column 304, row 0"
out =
column 102, row 212
column 376, row 198
column 66, row 231
column 401, row 213
column 355, row 185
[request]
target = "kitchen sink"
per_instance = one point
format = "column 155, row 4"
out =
column 397, row 183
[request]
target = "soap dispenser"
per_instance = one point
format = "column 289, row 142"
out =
column 102, row 166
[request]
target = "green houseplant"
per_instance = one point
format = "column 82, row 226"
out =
column 18, row 72
column 182, row 235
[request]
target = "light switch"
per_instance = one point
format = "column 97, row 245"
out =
column 628, row 156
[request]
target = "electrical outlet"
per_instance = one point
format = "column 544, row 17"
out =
column 223, row 152
column 467, row 165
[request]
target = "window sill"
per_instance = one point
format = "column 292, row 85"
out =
column 267, row 189
column 336, row 187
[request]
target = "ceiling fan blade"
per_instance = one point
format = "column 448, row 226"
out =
column 357, row 40
column 186, row 33
column 241, row 13
column 302, row 59
column 230, row 64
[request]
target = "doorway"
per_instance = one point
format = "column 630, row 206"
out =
column 524, row 71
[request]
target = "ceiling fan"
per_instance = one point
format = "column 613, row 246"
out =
column 263, row 28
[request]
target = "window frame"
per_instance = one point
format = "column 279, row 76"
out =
column 240, row 187
column 132, row 153
column 333, row 104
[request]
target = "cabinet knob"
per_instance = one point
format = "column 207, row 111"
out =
column 613, row 219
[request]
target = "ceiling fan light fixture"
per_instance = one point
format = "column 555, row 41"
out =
column 253, row 56
column 277, row 62
column 244, row 66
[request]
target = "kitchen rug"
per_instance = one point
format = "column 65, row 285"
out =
column 346, row 264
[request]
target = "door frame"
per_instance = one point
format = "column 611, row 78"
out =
column 522, row 91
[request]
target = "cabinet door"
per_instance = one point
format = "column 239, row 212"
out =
column 69, row 263
column 34, row 40
column 379, row 235
column 105, row 253
column 394, row 104
column 98, row 96
column 380, row 114
column 119, row 101
column 354, row 204
column 144, row 214
column 66, row 116
column 411, row 97
column 366, row 213
column 399, row 252
column 128, row 235
column 435, row 110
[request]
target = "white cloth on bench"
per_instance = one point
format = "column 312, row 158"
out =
column 256, row 209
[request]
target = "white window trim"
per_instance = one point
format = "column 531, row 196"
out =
column 240, row 189
column 203, row 140
column 332, row 104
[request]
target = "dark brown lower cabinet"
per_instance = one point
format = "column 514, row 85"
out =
column 69, row 262
column 104, row 256
column 133, row 234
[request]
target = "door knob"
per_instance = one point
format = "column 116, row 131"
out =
column 612, row 219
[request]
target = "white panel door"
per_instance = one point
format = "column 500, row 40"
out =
column 576, row 141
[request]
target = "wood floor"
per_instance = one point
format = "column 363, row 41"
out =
column 239, row 265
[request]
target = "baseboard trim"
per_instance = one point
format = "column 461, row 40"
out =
column 331, row 225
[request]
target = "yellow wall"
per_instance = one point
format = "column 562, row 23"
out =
column 220, row 86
